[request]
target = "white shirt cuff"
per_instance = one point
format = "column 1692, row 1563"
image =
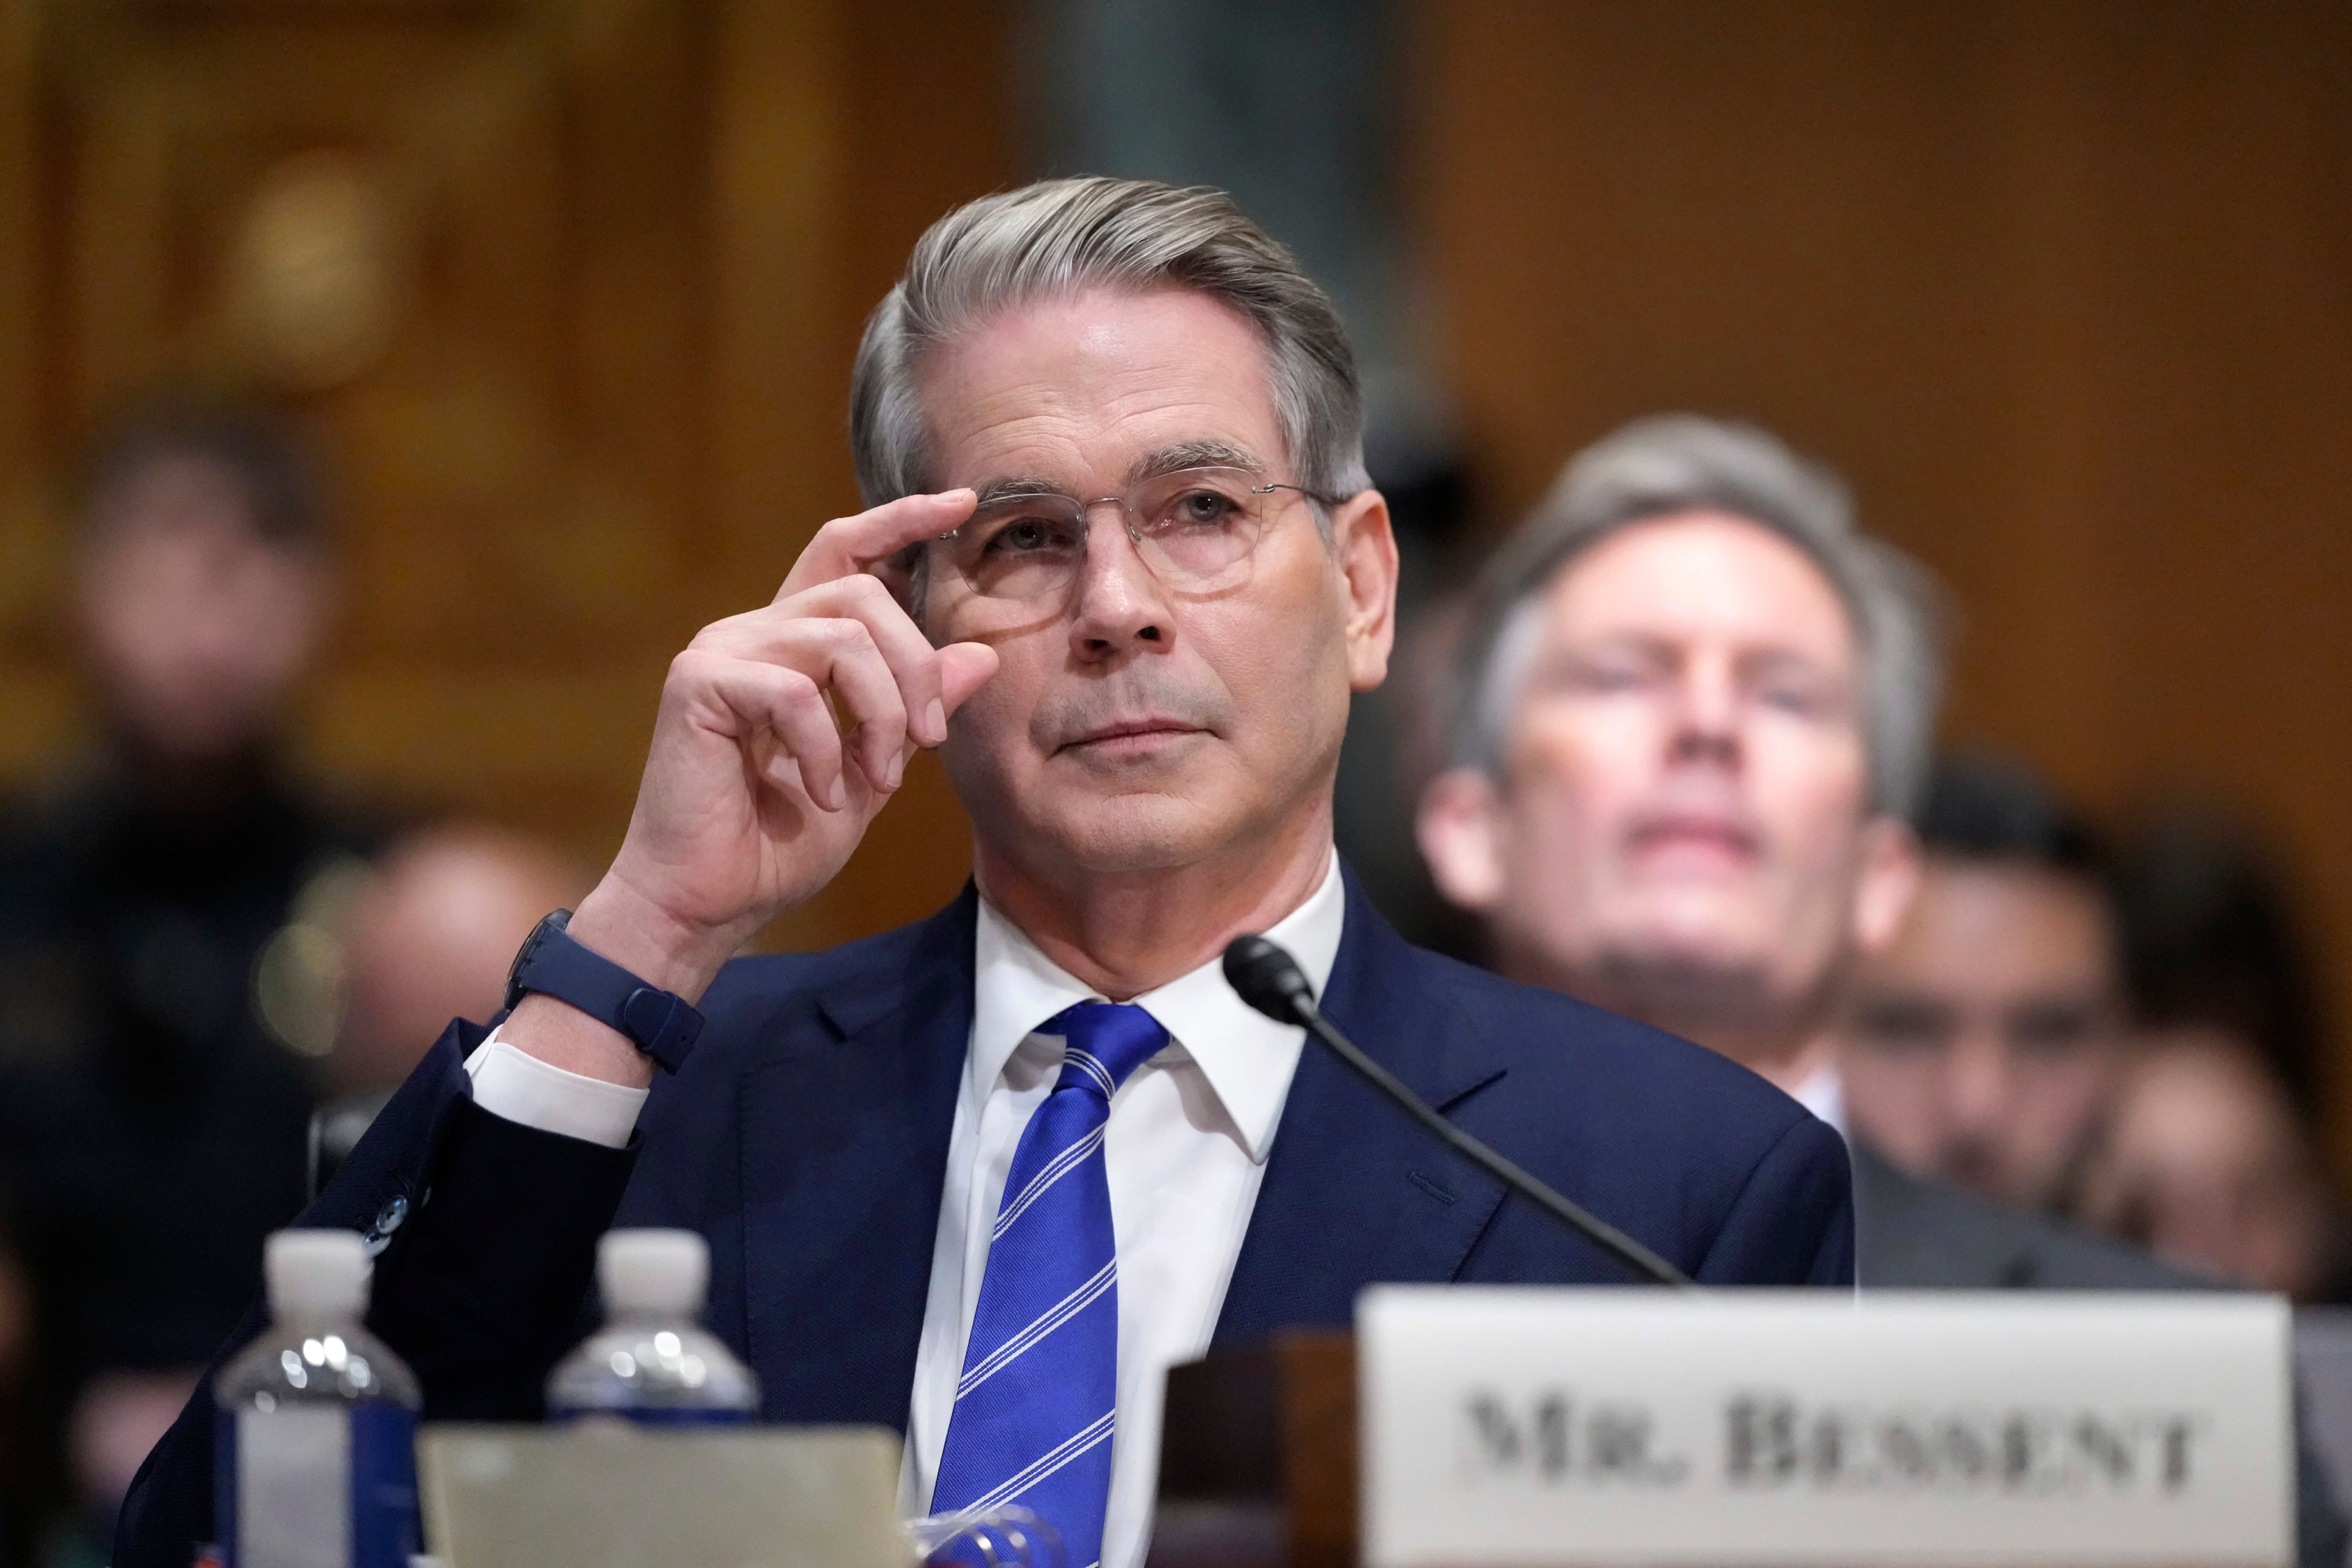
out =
column 517, row 1087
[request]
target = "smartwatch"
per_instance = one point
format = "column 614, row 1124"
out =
column 659, row 1022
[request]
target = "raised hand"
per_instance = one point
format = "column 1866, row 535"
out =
column 754, row 794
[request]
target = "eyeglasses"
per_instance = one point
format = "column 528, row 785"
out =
column 1195, row 528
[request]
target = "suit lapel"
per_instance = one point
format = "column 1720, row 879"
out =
column 1354, row 1193
column 846, row 1142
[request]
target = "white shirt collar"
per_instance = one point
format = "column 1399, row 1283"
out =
column 1823, row 1094
column 1247, row 1056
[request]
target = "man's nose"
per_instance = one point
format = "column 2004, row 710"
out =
column 1979, row 1085
column 1705, row 719
column 1118, row 603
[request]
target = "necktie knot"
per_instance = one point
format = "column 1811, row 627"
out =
column 1103, row 1042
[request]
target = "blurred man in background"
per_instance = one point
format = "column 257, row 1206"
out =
column 1695, row 711
column 427, row 937
column 1991, row 1043
column 1695, row 707
column 151, row 1123
column 1982, row 1045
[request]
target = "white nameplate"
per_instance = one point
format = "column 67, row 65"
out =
column 1522, row 1426
column 602, row 1494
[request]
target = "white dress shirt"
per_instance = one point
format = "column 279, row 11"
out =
column 1184, row 1152
column 1823, row 1094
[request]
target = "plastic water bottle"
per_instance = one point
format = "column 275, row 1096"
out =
column 1006, row 1536
column 653, row 1361
column 316, row 1462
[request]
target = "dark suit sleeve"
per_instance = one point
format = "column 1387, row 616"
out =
column 490, row 1232
column 1792, row 1223
column 483, row 1296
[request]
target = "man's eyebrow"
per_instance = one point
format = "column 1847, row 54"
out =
column 1642, row 645
column 1207, row 454
column 1782, row 660
column 1204, row 454
column 1007, row 487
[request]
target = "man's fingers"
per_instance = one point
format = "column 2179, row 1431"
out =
column 849, row 545
column 853, row 617
column 790, row 705
column 913, row 662
column 964, row 668
column 863, row 684
column 837, row 659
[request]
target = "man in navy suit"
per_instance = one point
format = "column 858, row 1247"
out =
column 982, row 1178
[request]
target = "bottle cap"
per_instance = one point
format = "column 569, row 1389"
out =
column 653, row 1272
column 316, row 1273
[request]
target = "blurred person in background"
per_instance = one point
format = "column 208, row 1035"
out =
column 1982, row 1045
column 152, row 1120
column 2211, row 1158
column 429, row 938
column 426, row 938
column 2204, row 1162
column 2212, row 938
column 1695, row 711
column 1695, row 707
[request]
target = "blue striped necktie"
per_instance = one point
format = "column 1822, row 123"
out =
column 1036, row 1406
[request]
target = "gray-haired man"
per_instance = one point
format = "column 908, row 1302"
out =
column 1695, row 707
column 1111, row 435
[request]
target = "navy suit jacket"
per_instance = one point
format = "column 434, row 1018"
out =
column 807, row 1138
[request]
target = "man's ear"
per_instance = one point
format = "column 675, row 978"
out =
column 1461, row 833
column 1889, row 881
column 1364, row 545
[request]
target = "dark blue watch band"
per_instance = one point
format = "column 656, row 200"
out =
column 663, row 1024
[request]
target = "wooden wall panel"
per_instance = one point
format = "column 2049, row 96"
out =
column 925, row 107
column 2066, row 290
column 2062, row 288
column 617, row 254
column 27, row 532
column 465, row 242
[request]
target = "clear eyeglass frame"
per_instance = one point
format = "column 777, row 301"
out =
column 1196, row 530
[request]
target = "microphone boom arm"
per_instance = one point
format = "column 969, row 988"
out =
column 1269, row 980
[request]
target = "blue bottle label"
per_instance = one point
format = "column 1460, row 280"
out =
column 316, row 1486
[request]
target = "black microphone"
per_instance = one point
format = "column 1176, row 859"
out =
column 1270, row 980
